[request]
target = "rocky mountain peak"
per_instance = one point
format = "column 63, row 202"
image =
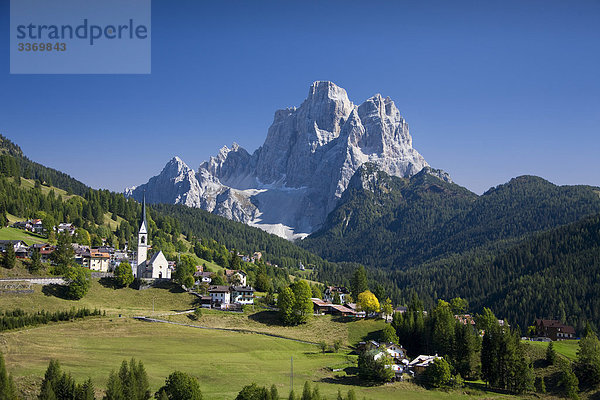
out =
column 289, row 185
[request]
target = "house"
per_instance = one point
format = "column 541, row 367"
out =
column 45, row 250
column 219, row 295
column 203, row 277
column 331, row 291
column 401, row 309
column 236, row 276
column 320, row 307
column 420, row 364
column 96, row 260
column 554, row 329
column 20, row 247
column 205, row 301
column 26, row 225
column 337, row 309
column 66, row 228
column 37, row 226
column 242, row 295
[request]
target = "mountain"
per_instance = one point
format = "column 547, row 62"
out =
column 391, row 222
column 14, row 163
column 292, row 182
column 553, row 274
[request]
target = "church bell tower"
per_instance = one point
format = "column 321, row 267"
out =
column 142, row 250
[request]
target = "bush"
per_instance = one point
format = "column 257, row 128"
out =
column 437, row 373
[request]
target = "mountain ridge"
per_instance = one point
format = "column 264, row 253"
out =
column 289, row 185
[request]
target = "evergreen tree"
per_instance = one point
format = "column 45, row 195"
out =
column 359, row 282
column 114, row 388
column 7, row 386
column 587, row 366
column 569, row 381
column 36, row 263
column 10, row 258
column 85, row 391
column 62, row 256
column 274, row 393
column 550, row 354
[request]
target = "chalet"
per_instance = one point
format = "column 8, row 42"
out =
column 19, row 246
column 331, row 291
column 321, row 307
column 37, row 226
column 219, row 295
column 96, row 260
column 336, row 309
column 401, row 309
column 236, row 276
column 203, row 277
column 66, row 228
column 242, row 295
column 26, row 225
column 45, row 250
column 420, row 364
column 554, row 329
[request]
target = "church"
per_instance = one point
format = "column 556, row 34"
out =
column 156, row 267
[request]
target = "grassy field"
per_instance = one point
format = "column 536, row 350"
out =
column 319, row 328
column 20, row 234
column 128, row 302
column 223, row 362
column 567, row 348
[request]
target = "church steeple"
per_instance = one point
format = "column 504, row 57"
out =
column 144, row 224
column 142, row 250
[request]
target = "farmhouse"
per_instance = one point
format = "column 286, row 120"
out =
column 321, row 307
column 554, row 329
column 421, row 363
column 222, row 296
column 331, row 291
column 236, row 276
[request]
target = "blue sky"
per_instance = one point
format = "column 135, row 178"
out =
column 491, row 90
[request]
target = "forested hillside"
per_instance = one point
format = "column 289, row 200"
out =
column 396, row 223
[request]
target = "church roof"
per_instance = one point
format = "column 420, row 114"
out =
column 144, row 224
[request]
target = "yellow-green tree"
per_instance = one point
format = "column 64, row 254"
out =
column 368, row 302
column 387, row 309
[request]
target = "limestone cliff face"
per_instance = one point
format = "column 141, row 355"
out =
column 290, row 184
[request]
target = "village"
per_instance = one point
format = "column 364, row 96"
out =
column 235, row 293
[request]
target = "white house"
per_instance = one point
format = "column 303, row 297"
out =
column 219, row 295
column 242, row 295
column 331, row 291
column 236, row 276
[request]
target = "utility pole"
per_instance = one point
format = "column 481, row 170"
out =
column 292, row 375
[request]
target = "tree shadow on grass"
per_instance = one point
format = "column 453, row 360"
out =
column 267, row 317
column 109, row 283
column 56, row 290
column 351, row 379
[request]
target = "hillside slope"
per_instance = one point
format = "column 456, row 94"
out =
column 390, row 222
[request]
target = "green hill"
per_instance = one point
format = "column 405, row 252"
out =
column 390, row 222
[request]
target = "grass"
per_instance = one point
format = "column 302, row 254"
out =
column 223, row 362
column 126, row 301
column 20, row 234
column 566, row 348
column 319, row 328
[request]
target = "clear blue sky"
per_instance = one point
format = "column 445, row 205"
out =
column 491, row 90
